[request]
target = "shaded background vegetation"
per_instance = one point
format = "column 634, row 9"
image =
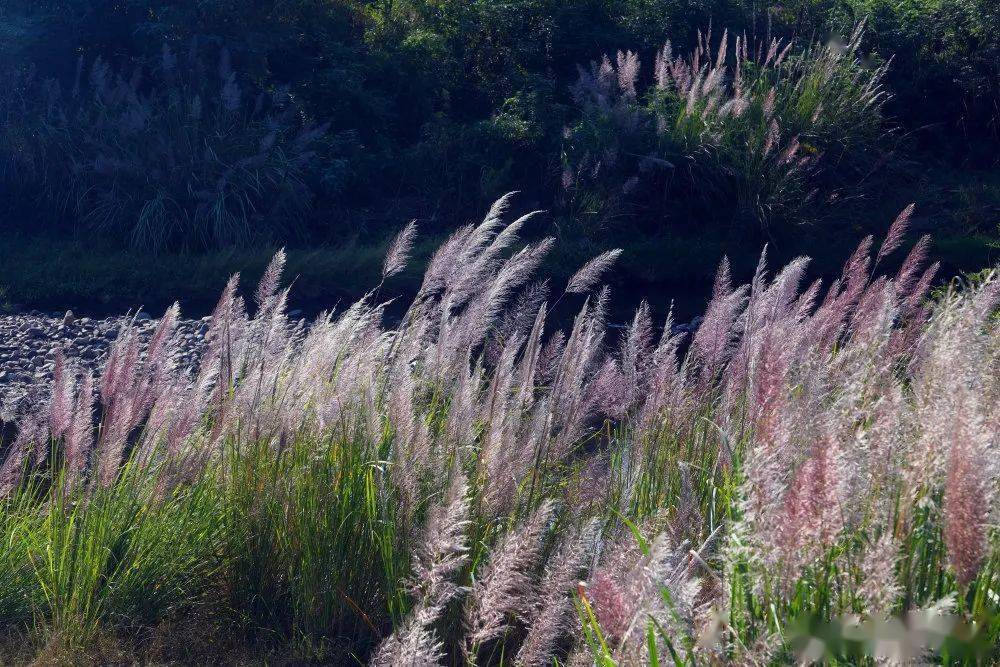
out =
column 153, row 134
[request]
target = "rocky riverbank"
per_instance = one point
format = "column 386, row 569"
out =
column 30, row 341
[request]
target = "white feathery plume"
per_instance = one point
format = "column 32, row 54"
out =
column 441, row 554
column 896, row 234
column 590, row 273
column 502, row 590
column 553, row 602
column 399, row 251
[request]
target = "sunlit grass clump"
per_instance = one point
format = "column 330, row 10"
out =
column 810, row 476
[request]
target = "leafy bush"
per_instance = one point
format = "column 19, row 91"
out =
column 446, row 103
column 473, row 88
column 176, row 155
column 759, row 134
column 944, row 69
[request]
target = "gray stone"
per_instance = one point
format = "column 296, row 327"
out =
column 29, row 344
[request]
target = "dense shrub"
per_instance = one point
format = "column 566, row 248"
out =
column 752, row 131
column 945, row 72
column 476, row 89
column 178, row 154
column 449, row 102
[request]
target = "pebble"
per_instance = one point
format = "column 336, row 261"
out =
column 29, row 343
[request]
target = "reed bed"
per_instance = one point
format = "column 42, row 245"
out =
column 810, row 476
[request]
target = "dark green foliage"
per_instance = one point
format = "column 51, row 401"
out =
column 752, row 142
column 179, row 153
column 450, row 103
column 945, row 72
